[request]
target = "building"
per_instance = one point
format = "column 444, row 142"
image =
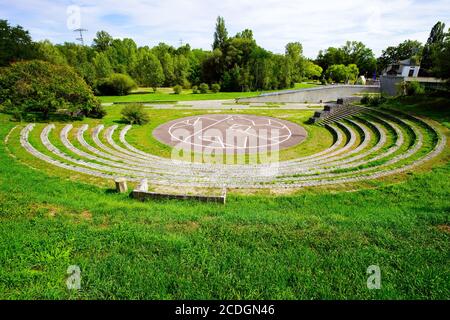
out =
column 405, row 68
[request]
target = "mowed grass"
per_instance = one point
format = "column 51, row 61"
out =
column 166, row 94
column 312, row 245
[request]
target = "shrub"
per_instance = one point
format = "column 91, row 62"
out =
column 410, row 88
column 116, row 84
column 215, row 87
column 365, row 99
column 195, row 90
column 204, row 88
column 135, row 114
column 414, row 88
column 98, row 112
column 177, row 89
column 376, row 101
column 44, row 88
column 373, row 101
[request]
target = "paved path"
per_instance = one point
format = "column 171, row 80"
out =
column 230, row 104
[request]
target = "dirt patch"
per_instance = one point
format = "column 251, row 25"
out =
column 444, row 228
column 86, row 215
column 50, row 210
column 187, row 227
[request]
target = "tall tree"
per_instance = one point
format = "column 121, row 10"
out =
column 15, row 44
column 330, row 56
column 102, row 41
column 352, row 52
column 294, row 54
column 435, row 39
column 102, row 66
column 220, row 35
column 149, row 71
column 357, row 53
column 441, row 58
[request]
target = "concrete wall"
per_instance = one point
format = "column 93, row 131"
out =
column 145, row 196
column 313, row 95
column 389, row 84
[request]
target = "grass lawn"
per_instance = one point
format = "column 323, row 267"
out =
column 166, row 94
column 316, row 244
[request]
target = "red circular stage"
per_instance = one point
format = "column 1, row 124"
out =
column 230, row 133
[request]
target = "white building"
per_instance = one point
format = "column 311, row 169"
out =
column 405, row 68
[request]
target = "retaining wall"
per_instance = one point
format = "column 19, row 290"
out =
column 313, row 95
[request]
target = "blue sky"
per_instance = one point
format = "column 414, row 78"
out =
column 316, row 24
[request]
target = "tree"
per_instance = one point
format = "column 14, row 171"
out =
column 357, row 53
column 312, row 70
column 80, row 58
column 46, row 51
column 337, row 72
column 246, row 34
column 441, row 58
column 352, row 72
column 15, row 44
column 122, row 55
column 353, row 52
column 341, row 73
column 331, row 56
column 181, row 70
column 294, row 54
column 220, row 35
column 436, row 38
column 102, row 41
column 149, row 71
column 39, row 86
column 102, row 66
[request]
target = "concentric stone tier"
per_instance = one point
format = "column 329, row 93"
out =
column 370, row 145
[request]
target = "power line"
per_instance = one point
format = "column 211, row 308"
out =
column 81, row 39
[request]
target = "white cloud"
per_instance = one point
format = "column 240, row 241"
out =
column 316, row 24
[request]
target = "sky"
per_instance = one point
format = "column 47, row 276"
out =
column 317, row 24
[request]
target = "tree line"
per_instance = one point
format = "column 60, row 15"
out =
column 235, row 63
column 43, row 78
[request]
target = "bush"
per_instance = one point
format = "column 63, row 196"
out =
column 373, row 101
column 177, row 89
column 116, row 84
column 44, row 88
column 410, row 88
column 135, row 114
column 365, row 99
column 204, row 88
column 215, row 87
column 195, row 90
column 98, row 112
column 414, row 88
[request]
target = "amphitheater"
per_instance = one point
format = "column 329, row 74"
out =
column 367, row 144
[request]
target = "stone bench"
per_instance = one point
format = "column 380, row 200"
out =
column 141, row 193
